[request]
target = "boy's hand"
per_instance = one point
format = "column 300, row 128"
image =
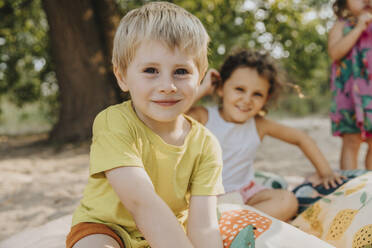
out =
column 328, row 179
column 209, row 83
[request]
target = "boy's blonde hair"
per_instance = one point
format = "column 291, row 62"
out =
column 165, row 22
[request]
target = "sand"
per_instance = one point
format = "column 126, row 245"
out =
column 40, row 184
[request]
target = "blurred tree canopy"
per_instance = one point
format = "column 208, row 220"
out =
column 42, row 42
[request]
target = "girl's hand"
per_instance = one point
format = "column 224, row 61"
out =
column 364, row 20
column 328, row 179
column 209, row 83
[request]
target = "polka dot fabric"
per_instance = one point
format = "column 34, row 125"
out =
column 232, row 222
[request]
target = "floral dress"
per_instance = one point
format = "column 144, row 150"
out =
column 351, row 87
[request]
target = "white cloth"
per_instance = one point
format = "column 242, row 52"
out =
column 239, row 143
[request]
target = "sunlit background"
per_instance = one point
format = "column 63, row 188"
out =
column 293, row 31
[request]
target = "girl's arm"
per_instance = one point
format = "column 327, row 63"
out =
column 152, row 215
column 208, row 84
column 338, row 44
column 207, row 87
column 199, row 113
column 305, row 143
column 202, row 227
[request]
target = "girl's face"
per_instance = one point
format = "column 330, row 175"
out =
column 357, row 7
column 243, row 95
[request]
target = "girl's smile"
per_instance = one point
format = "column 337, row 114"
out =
column 243, row 95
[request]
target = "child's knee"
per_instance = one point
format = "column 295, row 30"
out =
column 288, row 202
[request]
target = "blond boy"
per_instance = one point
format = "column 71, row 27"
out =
column 152, row 168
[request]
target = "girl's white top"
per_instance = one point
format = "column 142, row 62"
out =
column 239, row 143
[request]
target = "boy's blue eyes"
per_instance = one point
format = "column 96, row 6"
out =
column 177, row 71
column 181, row 71
column 150, row 70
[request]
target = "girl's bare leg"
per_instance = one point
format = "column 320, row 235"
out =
column 278, row 203
column 368, row 160
column 349, row 152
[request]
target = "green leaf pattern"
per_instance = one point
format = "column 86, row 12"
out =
column 245, row 238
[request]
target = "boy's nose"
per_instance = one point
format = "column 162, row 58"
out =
column 167, row 86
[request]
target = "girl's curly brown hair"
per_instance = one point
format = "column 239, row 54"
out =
column 263, row 63
column 340, row 8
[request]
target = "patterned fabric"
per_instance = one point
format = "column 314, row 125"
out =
column 307, row 194
column 235, row 221
column 270, row 180
column 343, row 218
column 351, row 107
column 243, row 226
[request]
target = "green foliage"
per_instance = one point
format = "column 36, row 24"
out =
column 31, row 118
column 279, row 27
column 26, row 73
column 283, row 28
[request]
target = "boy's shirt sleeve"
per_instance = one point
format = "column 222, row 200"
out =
column 207, row 178
column 113, row 143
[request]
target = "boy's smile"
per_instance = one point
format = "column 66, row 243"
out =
column 162, row 83
column 243, row 95
column 166, row 102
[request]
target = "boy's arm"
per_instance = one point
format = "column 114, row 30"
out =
column 338, row 44
column 202, row 227
column 153, row 217
column 305, row 143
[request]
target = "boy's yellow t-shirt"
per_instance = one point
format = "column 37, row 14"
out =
column 120, row 138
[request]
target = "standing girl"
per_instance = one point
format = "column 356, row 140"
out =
column 349, row 46
column 246, row 82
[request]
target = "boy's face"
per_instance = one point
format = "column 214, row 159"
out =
column 162, row 82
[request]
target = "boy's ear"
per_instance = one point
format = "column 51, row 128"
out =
column 121, row 80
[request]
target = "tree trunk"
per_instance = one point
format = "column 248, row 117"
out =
column 81, row 38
